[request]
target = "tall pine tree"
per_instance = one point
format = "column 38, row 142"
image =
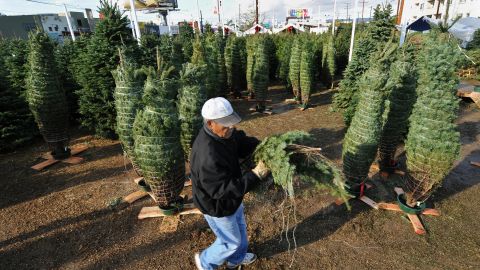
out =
column 294, row 69
column 306, row 72
column 260, row 73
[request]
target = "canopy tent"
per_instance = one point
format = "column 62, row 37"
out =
column 421, row 24
column 464, row 29
column 257, row 28
column 289, row 27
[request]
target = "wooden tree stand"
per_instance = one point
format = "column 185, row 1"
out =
column 139, row 194
column 414, row 219
column 362, row 198
column 50, row 160
column 473, row 163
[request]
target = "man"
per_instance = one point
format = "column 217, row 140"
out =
column 219, row 186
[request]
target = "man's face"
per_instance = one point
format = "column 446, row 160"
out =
column 219, row 130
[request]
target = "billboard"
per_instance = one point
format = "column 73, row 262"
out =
column 298, row 13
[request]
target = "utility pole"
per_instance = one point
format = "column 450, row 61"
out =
column 348, row 5
column 363, row 7
column 199, row 19
column 256, row 11
column 371, row 12
column 401, row 3
column 69, row 23
column 350, row 53
column 333, row 19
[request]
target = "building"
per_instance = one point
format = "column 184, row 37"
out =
column 437, row 9
column 55, row 25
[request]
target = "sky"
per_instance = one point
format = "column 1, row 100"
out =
column 188, row 8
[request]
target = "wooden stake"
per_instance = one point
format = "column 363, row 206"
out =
column 395, row 207
column 137, row 195
column 154, row 211
column 71, row 160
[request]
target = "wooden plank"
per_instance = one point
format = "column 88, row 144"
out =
column 72, row 160
column 416, row 224
column 169, row 224
column 369, row 201
column 137, row 180
column 42, row 165
column 154, row 211
column 475, row 163
column 395, row 207
column 78, row 149
column 339, row 201
column 137, row 195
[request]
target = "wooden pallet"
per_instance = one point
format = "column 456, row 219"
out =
column 71, row 160
column 169, row 223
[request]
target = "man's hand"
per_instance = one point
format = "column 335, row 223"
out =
column 261, row 170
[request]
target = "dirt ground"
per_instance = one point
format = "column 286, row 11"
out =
column 59, row 218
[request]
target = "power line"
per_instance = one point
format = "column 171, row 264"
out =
column 54, row 4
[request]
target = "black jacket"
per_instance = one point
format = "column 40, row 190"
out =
column 218, row 183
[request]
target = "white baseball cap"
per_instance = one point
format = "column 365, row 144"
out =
column 221, row 111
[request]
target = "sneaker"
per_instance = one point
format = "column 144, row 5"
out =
column 198, row 264
column 249, row 259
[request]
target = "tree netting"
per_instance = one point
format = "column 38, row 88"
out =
column 128, row 93
column 260, row 74
column 251, row 48
column 433, row 142
column 157, row 138
column 289, row 157
column 306, row 72
column 361, row 141
column 400, row 86
column 45, row 96
column 294, row 71
column 192, row 96
column 284, row 48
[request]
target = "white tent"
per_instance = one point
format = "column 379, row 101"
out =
column 287, row 26
column 464, row 29
column 253, row 30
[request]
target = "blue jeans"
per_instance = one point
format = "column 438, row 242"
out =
column 231, row 243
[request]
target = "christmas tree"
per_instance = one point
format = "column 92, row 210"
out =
column 251, row 48
column 284, row 48
column 433, row 142
column 261, row 73
column 45, row 96
column 400, row 87
column 233, row 63
column 306, row 72
column 294, row 69
column 16, row 122
column 93, row 70
column 331, row 59
column 212, row 49
column 377, row 33
column 361, row 141
column 186, row 36
column 176, row 56
column 222, row 72
column 157, row 138
column 128, row 94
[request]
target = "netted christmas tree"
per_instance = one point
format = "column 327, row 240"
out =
column 45, row 96
column 361, row 141
column 233, row 64
column 222, row 71
column 294, row 69
column 306, row 73
column 94, row 66
column 400, row 88
column 176, row 56
column 331, row 66
column 128, row 95
column 192, row 96
column 377, row 33
column 260, row 74
column 16, row 122
column 290, row 159
column 211, row 53
column 157, row 138
column 186, row 36
column 433, row 142
column 284, row 48
column 272, row 58
column 251, row 48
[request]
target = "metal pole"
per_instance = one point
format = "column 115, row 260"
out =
column 199, row 19
column 333, row 20
column 350, row 53
column 69, row 23
column 133, row 26
column 137, row 27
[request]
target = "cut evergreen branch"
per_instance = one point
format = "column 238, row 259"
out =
column 361, row 141
column 260, row 74
column 433, row 142
column 294, row 69
column 156, row 132
column 400, row 87
column 45, row 96
column 128, row 95
column 288, row 157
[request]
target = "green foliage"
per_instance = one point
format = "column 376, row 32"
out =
column 192, row 96
column 128, row 94
column 287, row 158
column 93, row 70
column 45, row 96
column 157, row 137
column 328, row 60
column 251, row 48
column 271, row 54
column 400, row 87
column 342, row 43
column 222, row 71
column 433, row 142
column 260, row 73
column 213, row 52
column 284, row 48
column 16, row 122
column 186, row 36
column 233, row 64
column 176, row 56
column 475, row 43
column 361, row 141
column 370, row 41
column 294, row 70
column 306, row 72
